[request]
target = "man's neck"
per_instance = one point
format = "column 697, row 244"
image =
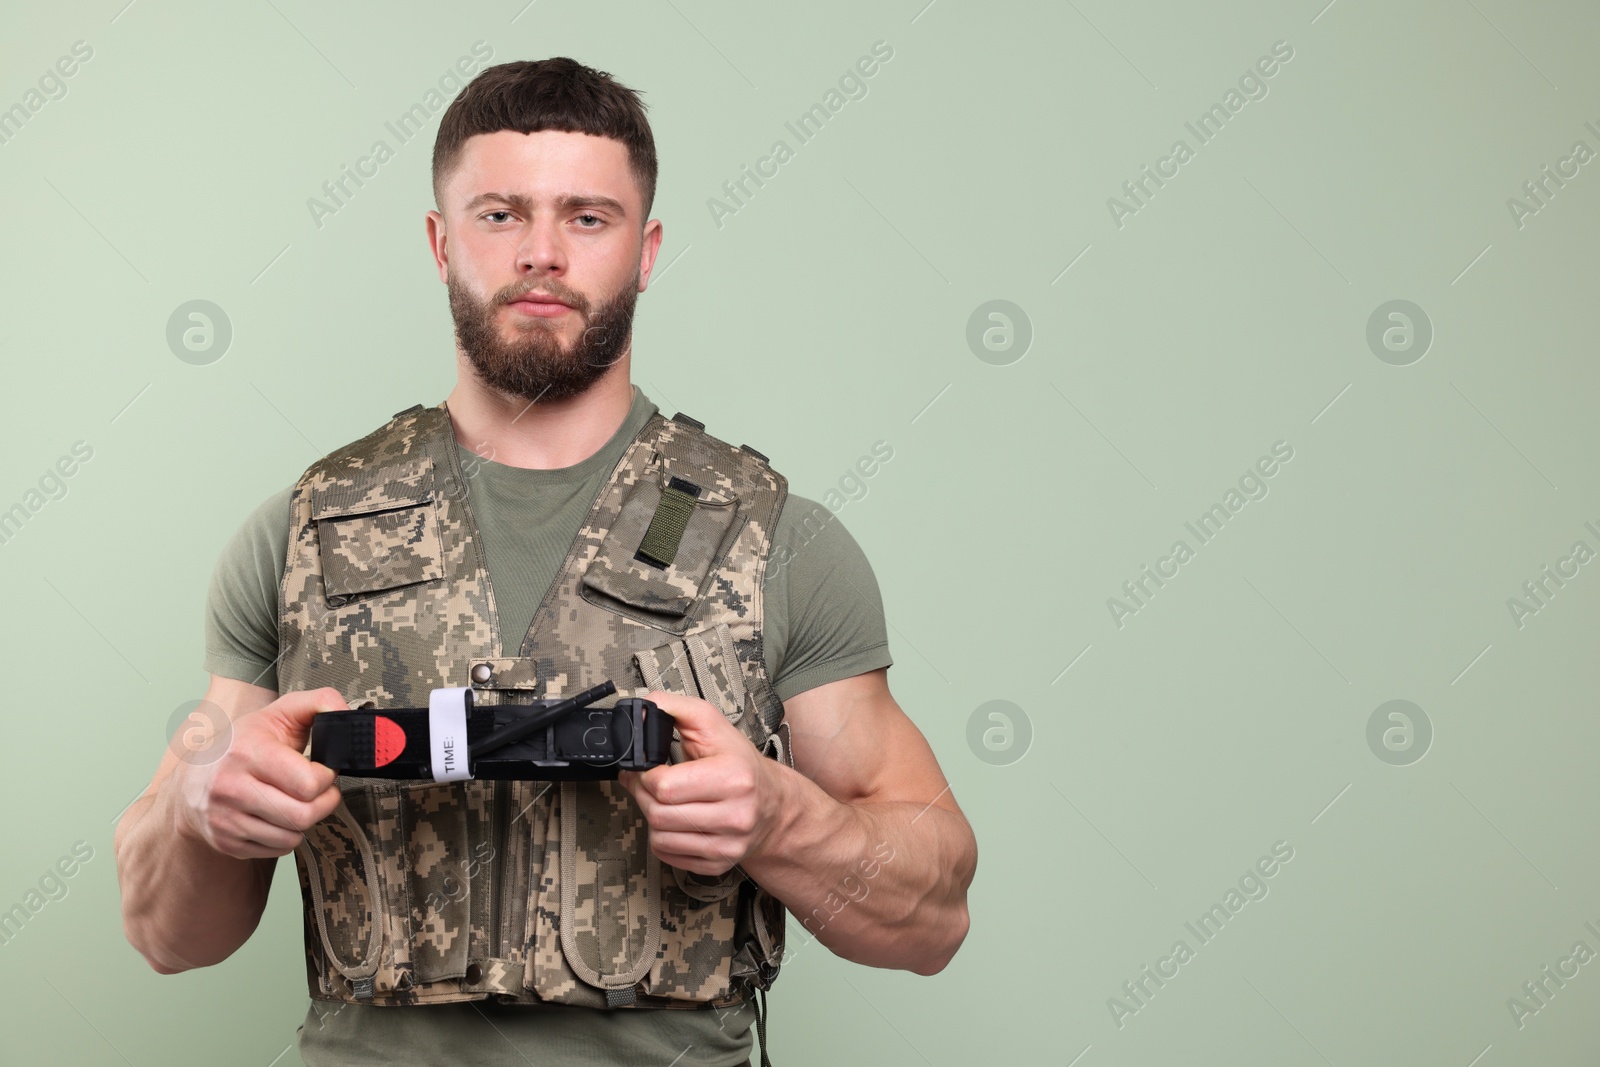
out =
column 541, row 436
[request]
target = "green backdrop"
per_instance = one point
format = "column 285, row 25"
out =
column 1369, row 255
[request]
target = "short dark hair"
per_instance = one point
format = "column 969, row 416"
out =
column 547, row 94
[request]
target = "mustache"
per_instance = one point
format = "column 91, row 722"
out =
column 560, row 292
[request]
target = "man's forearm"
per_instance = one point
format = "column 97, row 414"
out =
column 881, row 884
column 184, row 904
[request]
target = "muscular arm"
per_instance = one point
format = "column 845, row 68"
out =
column 870, row 850
column 184, row 904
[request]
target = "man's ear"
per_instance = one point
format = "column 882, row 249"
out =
column 647, row 251
column 433, row 224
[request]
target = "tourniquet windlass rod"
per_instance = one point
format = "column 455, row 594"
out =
column 539, row 718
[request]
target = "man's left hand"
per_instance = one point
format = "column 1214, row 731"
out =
column 720, row 806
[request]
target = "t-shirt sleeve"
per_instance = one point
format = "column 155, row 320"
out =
column 823, row 614
column 242, row 602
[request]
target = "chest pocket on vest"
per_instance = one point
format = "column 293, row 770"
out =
column 375, row 537
column 657, row 558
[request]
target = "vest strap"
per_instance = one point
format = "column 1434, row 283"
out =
column 761, row 1024
column 671, row 518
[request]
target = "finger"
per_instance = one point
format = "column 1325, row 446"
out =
column 252, row 837
column 719, row 819
column 688, row 861
column 287, row 770
column 272, row 805
column 698, row 781
column 701, row 848
column 653, row 811
column 303, row 705
column 323, row 806
column 293, row 712
column 694, row 864
column 702, row 728
column 249, row 837
column 685, row 710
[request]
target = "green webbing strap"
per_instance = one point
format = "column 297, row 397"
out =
column 761, row 1026
column 666, row 527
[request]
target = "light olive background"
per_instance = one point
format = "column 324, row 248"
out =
column 1168, row 354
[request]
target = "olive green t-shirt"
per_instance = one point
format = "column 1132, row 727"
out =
column 823, row 620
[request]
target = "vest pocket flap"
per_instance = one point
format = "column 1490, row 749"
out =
column 657, row 555
column 378, row 531
column 380, row 550
column 361, row 492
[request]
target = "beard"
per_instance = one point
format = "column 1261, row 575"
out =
column 535, row 365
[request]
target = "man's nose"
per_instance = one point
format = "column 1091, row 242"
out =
column 541, row 250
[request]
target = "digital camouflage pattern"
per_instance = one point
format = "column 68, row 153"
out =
column 422, row 892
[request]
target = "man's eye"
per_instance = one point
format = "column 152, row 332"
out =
column 593, row 218
column 492, row 214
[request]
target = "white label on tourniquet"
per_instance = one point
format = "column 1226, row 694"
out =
column 447, row 734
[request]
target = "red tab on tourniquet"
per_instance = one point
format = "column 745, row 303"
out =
column 388, row 740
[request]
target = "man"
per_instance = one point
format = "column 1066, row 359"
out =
column 502, row 920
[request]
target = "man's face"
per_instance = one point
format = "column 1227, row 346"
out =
column 542, row 250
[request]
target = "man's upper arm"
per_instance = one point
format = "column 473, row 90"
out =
column 824, row 616
column 852, row 739
column 848, row 734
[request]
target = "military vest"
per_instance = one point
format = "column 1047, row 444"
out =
column 423, row 892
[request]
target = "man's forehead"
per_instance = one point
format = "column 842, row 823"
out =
column 542, row 166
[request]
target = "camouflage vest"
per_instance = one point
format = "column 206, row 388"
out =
column 422, row 892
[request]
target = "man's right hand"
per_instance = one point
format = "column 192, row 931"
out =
column 256, row 800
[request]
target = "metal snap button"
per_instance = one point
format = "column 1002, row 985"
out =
column 482, row 672
column 474, row 973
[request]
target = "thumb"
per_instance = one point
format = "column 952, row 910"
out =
column 291, row 714
column 701, row 728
